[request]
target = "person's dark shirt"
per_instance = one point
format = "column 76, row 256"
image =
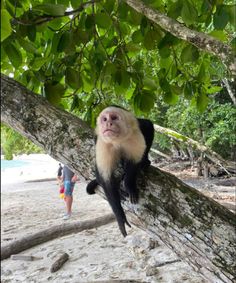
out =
column 67, row 174
column 59, row 172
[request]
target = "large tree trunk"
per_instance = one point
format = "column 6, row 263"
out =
column 197, row 228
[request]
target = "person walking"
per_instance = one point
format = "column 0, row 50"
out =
column 69, row 178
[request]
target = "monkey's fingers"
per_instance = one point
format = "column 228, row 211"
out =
column 122, row 229
column 134, row 197
column 122, row 226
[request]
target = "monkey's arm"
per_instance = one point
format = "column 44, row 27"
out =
column 147, row 129
column 131, row 171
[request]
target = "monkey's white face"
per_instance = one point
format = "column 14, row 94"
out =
column 115, row 125
column 109, row 123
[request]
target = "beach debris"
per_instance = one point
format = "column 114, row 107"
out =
column 25, row 257
column 59, row 262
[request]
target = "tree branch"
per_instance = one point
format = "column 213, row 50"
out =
column 199, row 230
column 199, row 39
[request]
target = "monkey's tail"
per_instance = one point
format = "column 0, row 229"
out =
column 91, row 187
column 113, row 198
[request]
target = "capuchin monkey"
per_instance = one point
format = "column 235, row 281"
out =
column 121, row 139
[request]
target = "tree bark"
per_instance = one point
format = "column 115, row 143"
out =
column 199, row 230
column 200, row 40
column 51, row 233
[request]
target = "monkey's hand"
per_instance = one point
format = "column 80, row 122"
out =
column 91, row 187
column 121, row 224
column 133, row 196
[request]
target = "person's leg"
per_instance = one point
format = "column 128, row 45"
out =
column 68, row 198
column 69, row 201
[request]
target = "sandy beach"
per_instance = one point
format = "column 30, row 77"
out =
column 30, row 202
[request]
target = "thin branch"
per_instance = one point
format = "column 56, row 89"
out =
column 43, row 19
column 230, row 91
column 201, row 40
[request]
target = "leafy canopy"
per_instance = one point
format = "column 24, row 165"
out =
column 82, row 54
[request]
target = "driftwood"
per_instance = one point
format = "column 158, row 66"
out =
column 51, row 233
column 24, row 257
column 59, row 262
column 116, row 281
column 199, row 230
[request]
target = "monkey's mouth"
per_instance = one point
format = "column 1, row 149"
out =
column 109, row 132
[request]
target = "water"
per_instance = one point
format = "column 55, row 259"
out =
column 6, row 164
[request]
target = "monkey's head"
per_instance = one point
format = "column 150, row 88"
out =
column 115, row 124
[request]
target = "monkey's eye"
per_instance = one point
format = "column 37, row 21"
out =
column 104, row 119
column 114, row 117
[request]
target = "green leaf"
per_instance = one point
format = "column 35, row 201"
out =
column 38, row 62
column 151, row 39
column 147, row 100
column 202, row 102
column 231, row 10
column 14, row 55
column 219, row 34
column 221, row 17
column 202, row 74
column 63, row 42
column 5, row 24
column 103, row 20
column 51, row 9
column 189, row 13
column 175, row 9
column 144, row 100
column 213, row 89
column 137, row 36
column 28, row 46
column 135, row 17
column 188, row 90
column 89, row 22
column 149, row 83
column 170, row 98
column 164, row 84
column 164, row 52
column 189, row 54
column 72, row 78
column 31, row 33
column 233, row 44
column 53, row 92
column 75, row 103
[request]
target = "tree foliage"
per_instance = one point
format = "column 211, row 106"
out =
column 14, row 143
column 80, row 54
column 215, row 127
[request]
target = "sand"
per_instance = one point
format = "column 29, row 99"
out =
column 28, row 206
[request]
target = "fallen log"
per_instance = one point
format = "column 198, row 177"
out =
column 51, row 233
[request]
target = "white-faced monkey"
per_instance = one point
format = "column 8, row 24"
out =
column 123, row 139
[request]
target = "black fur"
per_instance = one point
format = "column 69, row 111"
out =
column 131, row 170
